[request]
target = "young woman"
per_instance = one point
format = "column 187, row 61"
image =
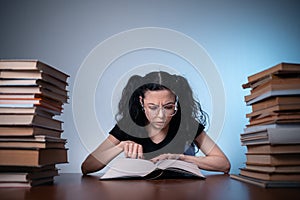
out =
column 159, row 118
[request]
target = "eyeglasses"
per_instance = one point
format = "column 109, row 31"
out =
column 168, row 109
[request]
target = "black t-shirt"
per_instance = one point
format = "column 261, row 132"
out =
column 173, row 142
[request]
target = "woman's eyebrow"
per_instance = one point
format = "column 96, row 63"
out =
column 168, row 103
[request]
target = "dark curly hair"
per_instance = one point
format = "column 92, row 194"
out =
column 131, row 117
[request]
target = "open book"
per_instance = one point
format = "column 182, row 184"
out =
column 127, row 168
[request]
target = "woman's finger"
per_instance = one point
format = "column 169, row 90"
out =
column 140, row 152
column 134, row 150
column 126, row 149
column 130, row 149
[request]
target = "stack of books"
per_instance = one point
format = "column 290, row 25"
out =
column 32, row 95
column 272, row 136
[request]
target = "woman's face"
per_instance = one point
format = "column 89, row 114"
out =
column 159, row 107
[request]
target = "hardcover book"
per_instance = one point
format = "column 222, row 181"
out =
column 126, row 168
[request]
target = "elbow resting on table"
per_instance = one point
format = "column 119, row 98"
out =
column 84, row 170
column 90, row 165
column 226, row 166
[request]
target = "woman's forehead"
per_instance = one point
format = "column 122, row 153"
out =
column 159, row 95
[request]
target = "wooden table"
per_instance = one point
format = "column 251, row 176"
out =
column 76, row 186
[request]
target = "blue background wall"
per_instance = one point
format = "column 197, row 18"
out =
column 241, row 37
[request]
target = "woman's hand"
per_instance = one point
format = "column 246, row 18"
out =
column 167, row 156
column 131, row 149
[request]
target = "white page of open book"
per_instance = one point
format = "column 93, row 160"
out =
column 122, row 167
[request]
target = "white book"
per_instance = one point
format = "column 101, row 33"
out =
column 126, row 168
column 260, row 128
column 274, row 93
column 272, row 136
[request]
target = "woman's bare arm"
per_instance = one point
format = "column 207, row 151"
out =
column 102, row 155
column 107, row 151
column 214, row 159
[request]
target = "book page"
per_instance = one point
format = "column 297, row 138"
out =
column 179, row 165
column 127, row 167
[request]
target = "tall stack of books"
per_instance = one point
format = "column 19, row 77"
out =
column 272, row 136
column 32, row 95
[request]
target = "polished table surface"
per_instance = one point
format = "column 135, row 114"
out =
column 76, row 186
